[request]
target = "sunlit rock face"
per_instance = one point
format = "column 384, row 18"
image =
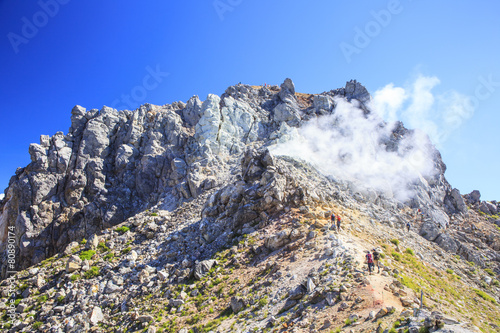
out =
column 114, row 164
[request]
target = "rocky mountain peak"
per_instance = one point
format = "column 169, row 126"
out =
column 166, row 194
column 113, row 164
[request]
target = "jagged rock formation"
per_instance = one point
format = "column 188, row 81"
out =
column 112, row 165
column 186, row 181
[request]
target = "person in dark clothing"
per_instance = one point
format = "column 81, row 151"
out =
column 332, row 218
column 376, row 258
column 408, row 225
column 338, row 223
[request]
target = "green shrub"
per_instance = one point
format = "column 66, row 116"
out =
column 409, row 251
column 396, row 256
column 109, row 256
column 489, row 271
column 153, row 214
column 395, row 241
column 263, row 302
column 423, row 329
column 61, row 298
column 23, row 287
column 42, row 299
column 449, row 271
column 92, row 272
column 347, row 322
column 102, row 247
column 75, row 277
column 83, row 241
column 123, row 229
column 194, row 319
column 484, row 296
column 37, row 325
column 126, row 250
column 87, row 255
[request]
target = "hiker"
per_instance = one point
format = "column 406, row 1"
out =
column 332, row 218
column 338, row 223
column 369, row 259
column 419, row 214
column 408, row 225
column 376, row 258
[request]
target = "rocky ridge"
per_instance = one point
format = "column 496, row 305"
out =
column 184, row 208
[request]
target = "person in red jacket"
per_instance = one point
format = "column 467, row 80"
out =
column 369, row 259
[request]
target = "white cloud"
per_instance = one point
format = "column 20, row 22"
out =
column 352, row 146
column 348, row 145
column 418, row 107
column 388, row 101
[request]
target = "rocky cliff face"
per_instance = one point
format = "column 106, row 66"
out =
column 114, row 164
column 180, row 216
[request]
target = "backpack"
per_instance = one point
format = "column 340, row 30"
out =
column 333, row 217
column 369, row 258
column 376, row 255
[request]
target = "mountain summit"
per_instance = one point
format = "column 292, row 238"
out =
column 223, row 206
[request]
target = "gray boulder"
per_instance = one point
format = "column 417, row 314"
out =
column 473, row 197
column 287, row 92
column 287, row 112
column 203, row 267
column 439, row 217
column 192, row 112
column 277, row 240
column 488, row 208
column 297, row 293
column 237, row 304
column 454, row 202
column 96, row 316
column 323, row 102
column 429, row 231
column 447, row 243
column 92, row 242
column 355, row 90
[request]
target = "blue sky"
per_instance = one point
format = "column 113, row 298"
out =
column 58, row 53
